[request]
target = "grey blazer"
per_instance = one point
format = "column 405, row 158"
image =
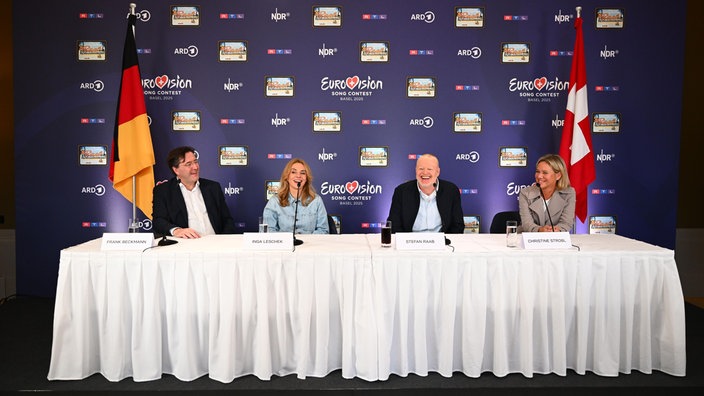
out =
column 532, row 209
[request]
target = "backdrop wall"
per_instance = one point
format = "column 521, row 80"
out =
column 395, row 74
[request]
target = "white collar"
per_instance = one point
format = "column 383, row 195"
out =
column 430, row 196
column 183, row 186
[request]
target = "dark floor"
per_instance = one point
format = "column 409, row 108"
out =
column 25, row 347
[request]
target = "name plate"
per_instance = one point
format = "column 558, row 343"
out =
column 126, row 241
column 420, row 241
column 546, row 240
column 268, row 240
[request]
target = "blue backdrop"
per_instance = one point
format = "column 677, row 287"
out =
column 68, row 65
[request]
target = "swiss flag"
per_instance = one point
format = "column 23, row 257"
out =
column 576, row 144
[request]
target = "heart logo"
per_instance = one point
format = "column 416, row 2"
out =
column 540, row 82
column 351, row 187
column 161, row 81
column 352, row 82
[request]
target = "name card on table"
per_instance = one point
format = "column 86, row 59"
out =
column 546, row 240
column 126, row 241
column 267, row 240
column 420, row 241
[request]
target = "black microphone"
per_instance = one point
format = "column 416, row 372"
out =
column 296, row 241
column 546, row 206
column 442, row 223
column 166, row 242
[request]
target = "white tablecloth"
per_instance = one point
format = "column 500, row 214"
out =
column 208, row 307
column 612, row 307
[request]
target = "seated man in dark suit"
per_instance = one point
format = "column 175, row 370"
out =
column 427, row 204
column 188, row 206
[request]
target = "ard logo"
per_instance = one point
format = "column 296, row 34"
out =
column 426, row 122
column 96, row 85
column 191, row 51
column 427, row 17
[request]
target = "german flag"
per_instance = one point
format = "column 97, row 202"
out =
column 132, row 153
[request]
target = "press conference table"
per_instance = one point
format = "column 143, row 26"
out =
column 210, row 307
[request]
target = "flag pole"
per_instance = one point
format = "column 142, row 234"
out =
column 133, row 225
column 132, row 133
column 576, row 142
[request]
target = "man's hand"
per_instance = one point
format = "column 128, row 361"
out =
column 187, row 233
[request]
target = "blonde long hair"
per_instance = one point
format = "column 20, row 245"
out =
column 307, row 192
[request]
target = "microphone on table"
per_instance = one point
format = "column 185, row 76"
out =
column 166, row 242
column 546, row 206
column 296, row 241
column 442, row 224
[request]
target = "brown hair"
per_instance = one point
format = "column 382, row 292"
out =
column 177, row 155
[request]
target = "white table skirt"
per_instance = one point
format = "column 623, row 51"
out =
column 208, row 307
column 613, row 307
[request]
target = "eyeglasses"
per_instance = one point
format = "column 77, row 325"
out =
column 189, row 164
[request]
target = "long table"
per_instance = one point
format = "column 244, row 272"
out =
column 210, row 307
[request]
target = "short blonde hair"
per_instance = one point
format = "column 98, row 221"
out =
column 557, row 164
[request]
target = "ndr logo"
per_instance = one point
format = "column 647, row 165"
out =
column 326, row 156
column 230, row 191
column 607, row 53
column 277, row 122
column 230, row 86
column 601, row 157
column 559, row 18
column 326, row 51
column 557, row 122
column 277, row 16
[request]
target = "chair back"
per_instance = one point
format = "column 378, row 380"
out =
column 333, row 228
column 498, row 223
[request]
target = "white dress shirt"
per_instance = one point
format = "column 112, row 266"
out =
column 428, row 217
column 197, row 213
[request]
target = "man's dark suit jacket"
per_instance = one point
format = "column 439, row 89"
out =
column 169, row 208
column 406, row 201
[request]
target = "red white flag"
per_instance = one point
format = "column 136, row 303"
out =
column 132, row 153
column 576, row 145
